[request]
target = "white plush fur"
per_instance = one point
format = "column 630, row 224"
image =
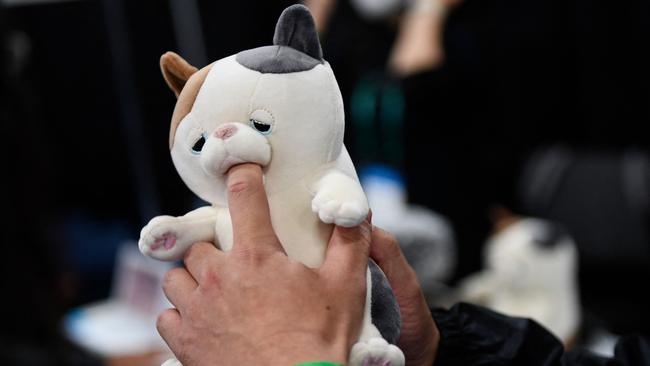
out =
column 522, row 278
column 309, row 177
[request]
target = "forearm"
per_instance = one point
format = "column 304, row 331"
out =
column 419, row 43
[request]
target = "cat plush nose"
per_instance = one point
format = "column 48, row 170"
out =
column 226, row 131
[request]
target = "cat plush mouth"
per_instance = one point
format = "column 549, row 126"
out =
column 234, row 144
column 232, row 162
column 229, row 163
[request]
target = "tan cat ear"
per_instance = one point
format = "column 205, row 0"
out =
column 176, row 71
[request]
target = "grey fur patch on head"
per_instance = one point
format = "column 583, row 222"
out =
column 383, row 305
column 276, row 60
column 550, row 234
column 295, row 45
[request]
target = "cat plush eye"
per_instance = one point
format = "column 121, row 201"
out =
column 260, row 126
column 198, row 145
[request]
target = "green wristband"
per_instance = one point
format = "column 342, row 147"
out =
column 318, row 363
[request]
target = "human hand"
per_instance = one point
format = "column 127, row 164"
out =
column 321, row 10
column 254, row 305
column 418, row 46
column 419, row 335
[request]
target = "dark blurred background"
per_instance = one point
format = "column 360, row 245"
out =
column 538, row 106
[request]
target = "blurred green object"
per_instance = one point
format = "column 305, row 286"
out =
column 377, row 117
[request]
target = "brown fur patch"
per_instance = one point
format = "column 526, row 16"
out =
column 186, row 100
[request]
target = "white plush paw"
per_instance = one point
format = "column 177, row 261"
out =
column 163, row 239
column 346, row 209
column 172, row 362
column 376, row 352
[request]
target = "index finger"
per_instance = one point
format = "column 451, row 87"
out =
column 249, row 208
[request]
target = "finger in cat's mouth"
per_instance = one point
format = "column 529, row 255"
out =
column 240, row 163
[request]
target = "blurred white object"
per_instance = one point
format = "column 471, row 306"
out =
column 531, row 270
column 124, row 324
column 602, row 343
column 425, row 237
column 377, row 9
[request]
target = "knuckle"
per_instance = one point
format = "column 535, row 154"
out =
column 160, row 322
column 209, row 277
column 366, row 225
column 163, row 320
column 168, row 278
column 248, row 255
column 351, row 234
column 365, row 233
column 242, row 185
column 239, row 186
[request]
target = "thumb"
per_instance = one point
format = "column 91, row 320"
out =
column 419, row 335
column 385, row 251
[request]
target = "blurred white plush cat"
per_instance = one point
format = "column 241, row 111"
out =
column 531, row 270
column 280, row 107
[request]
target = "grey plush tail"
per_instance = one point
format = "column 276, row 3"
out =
column 384, row 308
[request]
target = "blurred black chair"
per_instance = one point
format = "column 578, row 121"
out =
column 603, row 197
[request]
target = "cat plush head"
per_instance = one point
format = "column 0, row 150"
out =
column 278, row 106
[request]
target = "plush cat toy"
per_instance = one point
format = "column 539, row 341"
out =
column 280, row 107
column 530, row 270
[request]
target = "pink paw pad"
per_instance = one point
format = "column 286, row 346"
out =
column 167, row 241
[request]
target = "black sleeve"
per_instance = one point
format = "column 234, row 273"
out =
column 471, row 335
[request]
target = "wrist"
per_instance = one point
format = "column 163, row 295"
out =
column 436, row 7
column 304, row 350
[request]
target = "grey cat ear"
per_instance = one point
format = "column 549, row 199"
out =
column 296, row 29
